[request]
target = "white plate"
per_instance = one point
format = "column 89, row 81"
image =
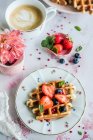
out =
column 54, row 126
column 65, row 9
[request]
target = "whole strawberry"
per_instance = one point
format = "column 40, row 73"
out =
column 58, row 38
column 67, row 43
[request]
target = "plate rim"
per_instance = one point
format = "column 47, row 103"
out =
column 67, row 12
column 50, row 133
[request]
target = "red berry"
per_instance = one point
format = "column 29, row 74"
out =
column 58, row 38
column 58, row 48
column 67, row 44
column 61, row 98
column 48, row 90
column 46, row 102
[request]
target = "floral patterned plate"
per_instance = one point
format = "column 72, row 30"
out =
column 65, row 9
column 54, row 126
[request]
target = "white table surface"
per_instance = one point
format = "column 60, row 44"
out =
column 84, row 73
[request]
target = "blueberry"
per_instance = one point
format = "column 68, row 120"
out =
column 77, row 55
column 58, row 91
column 62, row 61
column 55, row 101
column 75, row 60
column 62, row 109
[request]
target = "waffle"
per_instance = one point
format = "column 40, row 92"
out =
column 84, row 5
column 81, row 5
column 53, row 112
column 62, row 2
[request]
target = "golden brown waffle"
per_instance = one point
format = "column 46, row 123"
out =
column 84, row 5
column 62, row 2
column 81, row 5
column 53, row 112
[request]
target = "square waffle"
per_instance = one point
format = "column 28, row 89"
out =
column 53, row 112
column 83, row 5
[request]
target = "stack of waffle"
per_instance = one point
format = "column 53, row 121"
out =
column 80, row 5
column 53, row 112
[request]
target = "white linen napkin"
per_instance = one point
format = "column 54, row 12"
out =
column 7, row 126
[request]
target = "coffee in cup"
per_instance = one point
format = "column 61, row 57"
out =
column 26, row 17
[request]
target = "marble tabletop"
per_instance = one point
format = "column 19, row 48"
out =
column 36, row 58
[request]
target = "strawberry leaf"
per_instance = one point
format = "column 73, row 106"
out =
column 79, row 132
column 79, row 48
column 44, row 43
column 48, row 42
column 55, row 50
column 49, row 46
column 41, row 108
column 77, row 28
column 60, row 84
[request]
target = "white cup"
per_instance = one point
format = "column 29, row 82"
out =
column 48, row 13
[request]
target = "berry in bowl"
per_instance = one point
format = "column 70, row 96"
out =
column 11, row 52
column 58, row 44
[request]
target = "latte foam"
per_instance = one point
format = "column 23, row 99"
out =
column 26, row 17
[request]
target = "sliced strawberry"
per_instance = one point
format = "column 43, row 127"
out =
column 67, row 44
column 48, row 90
column 46, row 102
column 58, row 48
column 58, row 38
column 61, row 98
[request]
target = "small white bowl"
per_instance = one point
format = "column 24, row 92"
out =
column 13, row 69
column 57, row 55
